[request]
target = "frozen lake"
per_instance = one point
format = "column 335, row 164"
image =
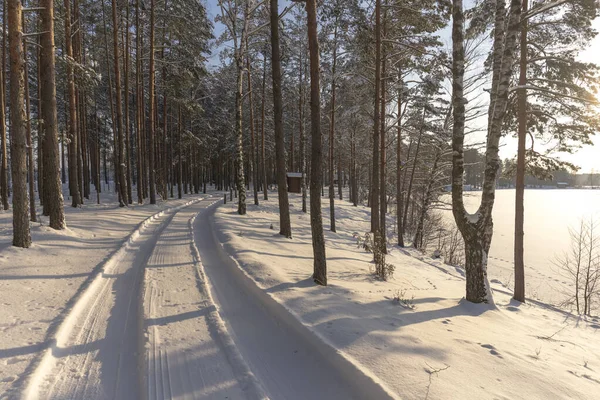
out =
column 549, row 213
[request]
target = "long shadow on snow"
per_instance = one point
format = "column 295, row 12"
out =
column 49, row 339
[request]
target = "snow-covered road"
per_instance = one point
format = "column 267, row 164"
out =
column 289, row 360
column 148, row 326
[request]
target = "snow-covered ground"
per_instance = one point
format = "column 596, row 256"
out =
column 429, row 342
column 70, row 316
column 144, row 302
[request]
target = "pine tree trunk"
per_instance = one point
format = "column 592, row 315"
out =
column 382, row 154
column 127, row 134
column 151, row 160
column 139, row 111
column 285, row 227
column 374, row 195
column 301, row 128
column 316, row 218
column 332, row 134
column 412, row 173
column 399, row 205
column 263, row 160
column 119, row 108
column 52, row 183
column 179, row 157
column 18, row 143
column 73, row 124
column 40, row 138
column 519, row 293
column 3, row 138
column 31, row 169
column 253, row 169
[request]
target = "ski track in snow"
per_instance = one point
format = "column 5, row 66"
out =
column 183, row 354
column 172, row 316
column 96, row 352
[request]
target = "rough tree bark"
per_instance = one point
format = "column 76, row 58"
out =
column 3, row 139
column 139, row 111
column 73, row 170
column 382, row 144
column 119, row 114
column 519, row 292
column 316, row 219
column 253, row 168
column 52, row 183
column 399, row 197
column 31, row 169
column 301, row 128
column 151, row 161
column 263, row 160
column 18, row 142
column 332, row 131
column 284, row 207
column 374, row 195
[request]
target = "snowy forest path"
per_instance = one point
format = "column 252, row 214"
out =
column 99, row 347
column 184, row 351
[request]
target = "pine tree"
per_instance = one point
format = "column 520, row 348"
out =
column 18, row 143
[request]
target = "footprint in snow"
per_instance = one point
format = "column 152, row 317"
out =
column 492, row 350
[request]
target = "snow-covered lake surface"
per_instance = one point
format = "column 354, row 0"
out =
column 549, row 213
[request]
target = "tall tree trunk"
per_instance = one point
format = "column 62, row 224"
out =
column 285, row 227
column 382, row 155
column 179, row 157
column 73, row 125
column 375, row 220
column 253, row 169
column 3, row 138
column 40, row 136
column 263, row 160
column 412, row 172
column 127, row 98
column 519, row 292
column 477, row 229
column 151, row 114
column 399, row 197
column 119, row 108
column 139, row 111
column 301, row 128
column 52, row 183
column 316, row 219
column 31, row 169
column 18, row 142
column 332, row 132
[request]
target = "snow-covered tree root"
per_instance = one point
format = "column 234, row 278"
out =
column 74, row 338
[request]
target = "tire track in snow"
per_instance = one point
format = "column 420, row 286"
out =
column 95, row 351
column 188, row 356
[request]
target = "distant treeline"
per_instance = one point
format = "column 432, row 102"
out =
column 475, row 162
